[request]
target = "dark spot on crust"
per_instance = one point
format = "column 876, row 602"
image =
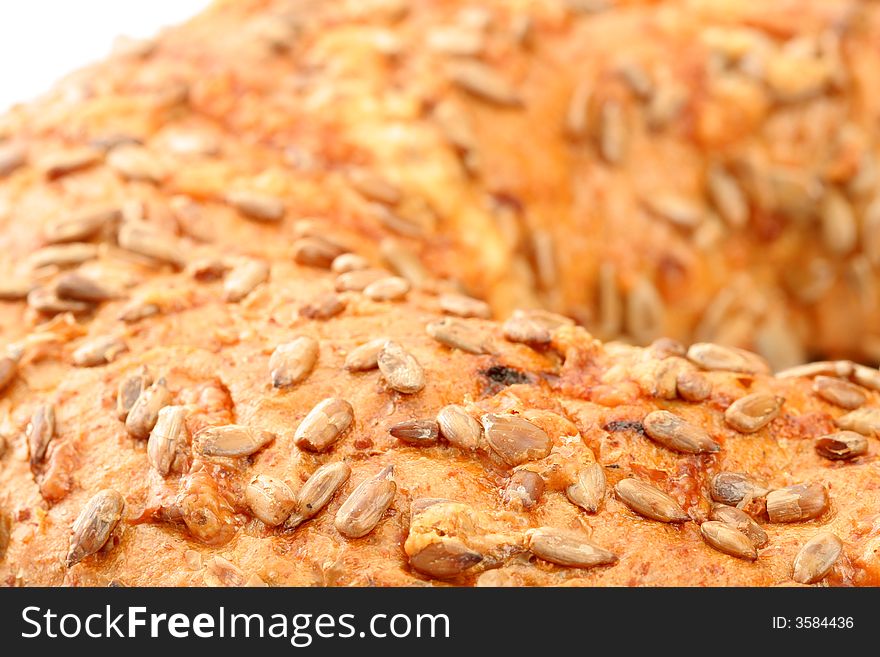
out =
column 506, row 376
column 624, row 425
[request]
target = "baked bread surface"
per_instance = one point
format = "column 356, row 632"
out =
column 180, row 211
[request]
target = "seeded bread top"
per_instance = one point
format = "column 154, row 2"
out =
column 217, row 497
column 698, row 170
column 239, row 352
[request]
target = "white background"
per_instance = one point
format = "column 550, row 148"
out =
column 42, row 40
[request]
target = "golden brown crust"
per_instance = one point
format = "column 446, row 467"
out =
column 203, row 250
column 713, row 180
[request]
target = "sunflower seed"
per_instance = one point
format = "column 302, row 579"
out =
column 678, row 434
column 109, row 141
column 716, row 357
column 8, row 370
column 150, row 243
column 841, row 368
column 62, row 163
column 145, row 411
column 138, row 310
column 12, row 156
column 315, row 252
column 816, row 558
column 374, row 187
column 727, row 196
column 753, row 412
column 293, row 361
column 244, row 278
column 576, row 124
column 456, row 40
column 392, row 288
column 416, row 432
column 741, row 521
column 842, row 446
column 515, row 439
column 400, row 369
column 130, row 388
column 136, row 163
column 317, row 492
column 366, row 356
column 645, row 311
column 15, row 290
column 444, row 558
column 636, row 78
column 458, row 335
column 94, row 524
column 255, row 205
column 455, row 127
column 76, row 287
column 543, row 253
column 394, row 222
column 168, row 446
column 231, row 440
column 80, row 226
column 459, row 428
column 870, row 237
column 797, row 503
column 358, row 279
column 612, row 133
column 45, row 301
column 865, row 421
column 5, row 518
column 463, row 306
column 40, row 432
column 99, row 351
column 839, row 227
column 668, row 100
column 269, row 499
column 839, row 392
column 589, row 489
column 524, row 486
column 660, row 377
column 733, row 487
column 347, row 262
column 324, row 306
column 867, row 377
column 63, row 255
column 526, row 330
column 404, row 261
column 484, row 83
column 649, row 501
column 324, row 425
column 610, row 300
column 693, row 386
column 725, row 538
column 663, row 348
column 567, row 548
column 549, row 320
column 366, row 505
column 208, row 269
column 678, row 210
column 192, row 143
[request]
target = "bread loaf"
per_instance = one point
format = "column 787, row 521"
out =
column 340, row 293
